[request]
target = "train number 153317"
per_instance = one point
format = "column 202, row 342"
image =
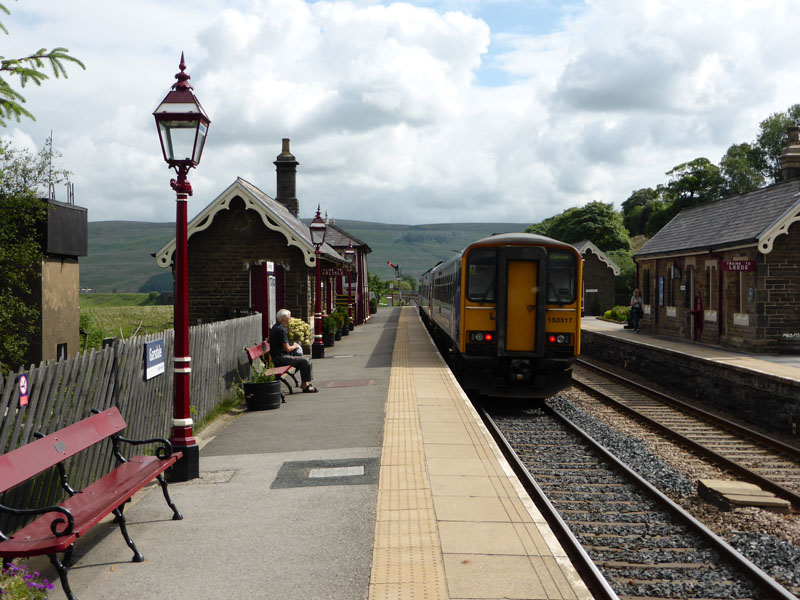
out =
column 559, row 319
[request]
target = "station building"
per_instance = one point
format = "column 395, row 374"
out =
column 728, row 272
column 599, row 274
column 248, row 252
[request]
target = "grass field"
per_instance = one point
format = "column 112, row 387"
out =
column 122, row 315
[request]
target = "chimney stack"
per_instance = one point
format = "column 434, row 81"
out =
column 790, row 159
column 286, row 166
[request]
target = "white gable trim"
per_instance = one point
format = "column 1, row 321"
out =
column 602, row 256
column 780, row 227
column 222, row 202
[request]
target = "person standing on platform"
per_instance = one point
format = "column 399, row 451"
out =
column 636, row 308
column 284, row 353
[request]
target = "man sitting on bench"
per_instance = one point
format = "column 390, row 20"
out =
column 281, row 350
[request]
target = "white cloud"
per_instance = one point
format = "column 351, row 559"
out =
column 384, row 105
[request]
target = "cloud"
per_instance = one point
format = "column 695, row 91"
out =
column 385, row 106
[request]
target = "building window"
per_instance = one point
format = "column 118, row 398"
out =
column 61, row 351
column 646, row 286
column 711, row 286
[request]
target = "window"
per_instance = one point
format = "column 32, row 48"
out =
column 561, row 277
column 481, row 275
column 711, row 285
column 646, row 286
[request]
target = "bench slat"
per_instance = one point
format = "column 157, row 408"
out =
column 87, row 507
column 25, row 462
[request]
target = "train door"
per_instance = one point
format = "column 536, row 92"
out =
column 521, row 300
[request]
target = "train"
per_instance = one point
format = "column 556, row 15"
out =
column 506, row 313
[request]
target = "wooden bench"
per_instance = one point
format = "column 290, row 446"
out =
column 58, row 527
column 259, row 358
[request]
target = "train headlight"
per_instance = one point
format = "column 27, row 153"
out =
column 559, row 339
column 481, row 336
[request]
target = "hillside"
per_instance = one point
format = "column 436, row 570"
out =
column 120, row 251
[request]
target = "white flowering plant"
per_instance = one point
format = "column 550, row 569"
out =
column 299, row 331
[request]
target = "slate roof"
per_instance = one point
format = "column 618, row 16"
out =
column 339, row 238
column 735, row 221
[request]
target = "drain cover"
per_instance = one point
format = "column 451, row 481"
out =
column 350, row 471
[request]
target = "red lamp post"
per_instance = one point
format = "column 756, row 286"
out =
column 349, row 256
column 182, row 128
column 318, row 228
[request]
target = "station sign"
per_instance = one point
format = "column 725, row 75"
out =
column 153, row 358
column 22, row 384
column 742, row 266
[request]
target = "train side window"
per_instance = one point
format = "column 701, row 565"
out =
column 561, row 277
column 481, row 272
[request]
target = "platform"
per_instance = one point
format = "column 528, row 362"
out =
column 384, row 485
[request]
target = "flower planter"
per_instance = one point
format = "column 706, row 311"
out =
column 338, row 335
column 351, row 326
column 262, row 396
column 327, row 339
column 345, row 330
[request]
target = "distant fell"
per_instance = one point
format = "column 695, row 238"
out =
column 120, row 251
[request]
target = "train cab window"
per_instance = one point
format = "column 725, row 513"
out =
column 481, row 271
column 561, row 277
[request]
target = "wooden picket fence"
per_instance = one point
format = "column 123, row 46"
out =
column 64, row 392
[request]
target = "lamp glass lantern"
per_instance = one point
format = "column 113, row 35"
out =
column 350, row 254
column 182, row 123
column 318, row 229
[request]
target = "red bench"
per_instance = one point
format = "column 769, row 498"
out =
column 260, row 354
column 58, row 527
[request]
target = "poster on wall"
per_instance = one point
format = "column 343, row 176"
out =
column 661, row 291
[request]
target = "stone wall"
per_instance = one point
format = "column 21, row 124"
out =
column 780, row 305
column 597, row 275
column 219, row 276
column 770, row 402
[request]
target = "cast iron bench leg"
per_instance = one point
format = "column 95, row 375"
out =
column 137, row 556
column 176, row 514
column 62, row 575
column 288, row 385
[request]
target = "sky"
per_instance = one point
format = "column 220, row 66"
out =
column 426, row 111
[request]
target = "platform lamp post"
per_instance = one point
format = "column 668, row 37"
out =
column 182, row 128
column 318, row 228
column 350, row 256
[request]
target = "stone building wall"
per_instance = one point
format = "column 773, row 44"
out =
column 780, row 306
column 219, row 276
column 597, row 275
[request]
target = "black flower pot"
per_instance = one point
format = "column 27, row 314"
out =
column 262, row 396
column 351, row 326
column 345, row 330
column 327, row 339
column 338, row 335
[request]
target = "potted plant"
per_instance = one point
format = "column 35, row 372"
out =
column 343, row 320
column 263, row 391
column 337, row 316
column 300, row 332
column 373, row 306
column 328, row 331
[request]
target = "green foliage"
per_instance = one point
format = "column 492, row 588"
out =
column 638, row 208
column 259, row 372
column 125, row 321
column 597, row 222
column 23, row 172
column 626, row 279
column 21, row 221
column 692, row 183
column 377, row 286
column 740, row 170
column 328, row 324
column 618, row 314
column 26, row 69
column 111, row 300
column 299, row 331
column 771, row 141
column 341, row 316
column 16, row 582
column 373, row 304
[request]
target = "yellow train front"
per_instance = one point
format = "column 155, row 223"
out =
column 506, row 311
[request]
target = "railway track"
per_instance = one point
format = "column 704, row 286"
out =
column 751, row 456
column 614, row 524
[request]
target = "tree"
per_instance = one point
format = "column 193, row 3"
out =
column 771, row 141
column 638, row 208
column 597, row 222
column 26, row 69
column 740, row 170
column 376, row 286
column 21, row 219
column 23, row 177
column 693, row 183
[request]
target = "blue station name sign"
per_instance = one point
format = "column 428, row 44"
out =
column 153, row 358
